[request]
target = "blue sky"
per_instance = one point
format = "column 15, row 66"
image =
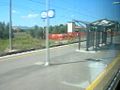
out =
column 27, row 12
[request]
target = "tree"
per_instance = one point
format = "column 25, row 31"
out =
column 4, row 31
column 37, row 32
column 59, row 29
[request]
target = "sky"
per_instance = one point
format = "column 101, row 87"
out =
column 28, row 12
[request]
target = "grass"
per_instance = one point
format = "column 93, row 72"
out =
column 3, row 45
column 23, row 41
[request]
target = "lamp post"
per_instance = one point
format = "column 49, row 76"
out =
column 47, row 33
column 10, row 25
column 47, row 14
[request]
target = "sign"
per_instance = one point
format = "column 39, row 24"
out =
column 44, row 15
column 50, row 13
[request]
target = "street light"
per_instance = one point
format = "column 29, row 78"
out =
column 47, row 38
column 10, row 25
column 47, row 14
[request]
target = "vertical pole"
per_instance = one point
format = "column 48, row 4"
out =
column 79, row 36
column 105, row 36
column 88, row 34
column 96, row 37
column 111, row 41
column 93, row 38
column 47, row 35
column 10, row 25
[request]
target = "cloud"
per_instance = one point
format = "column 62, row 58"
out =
column 29, row 16
column 14, row 11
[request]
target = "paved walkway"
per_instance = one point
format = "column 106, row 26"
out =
column 69, row 69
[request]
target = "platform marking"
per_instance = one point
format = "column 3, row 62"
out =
column 97, row 81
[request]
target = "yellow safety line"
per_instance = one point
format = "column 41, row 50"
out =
column 100, row 77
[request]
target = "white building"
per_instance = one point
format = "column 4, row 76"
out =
column 70, row 27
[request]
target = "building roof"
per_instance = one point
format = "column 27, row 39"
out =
column 103, row 22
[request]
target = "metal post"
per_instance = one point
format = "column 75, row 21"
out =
column 47, row 34
column 10, row 25
column 111, row 41
column 105, row 36
column 93, row 38
column 96, row 37
column 87, row 42
column 79, row 44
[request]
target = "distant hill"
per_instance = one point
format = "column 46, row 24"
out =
column 20, row 28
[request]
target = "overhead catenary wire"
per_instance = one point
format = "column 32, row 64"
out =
column 28, row 8
column 66, row 9
column 81, row 8
column 58, row 7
